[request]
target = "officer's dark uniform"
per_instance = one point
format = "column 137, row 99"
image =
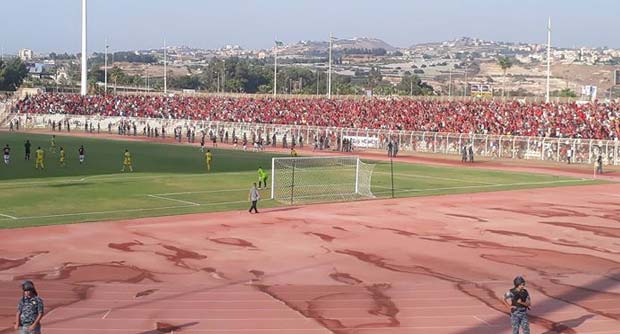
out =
column 518, row 312
column 29, row 309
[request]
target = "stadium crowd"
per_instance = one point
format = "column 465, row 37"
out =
column 570, row 120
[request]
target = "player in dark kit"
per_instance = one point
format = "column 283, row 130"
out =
column 81, row 154
column 7, row 154
column 27, row 149
column 519, row 302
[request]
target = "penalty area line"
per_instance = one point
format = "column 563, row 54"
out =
column 8, row 216
column 174, row 200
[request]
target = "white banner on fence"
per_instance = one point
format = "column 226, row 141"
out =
column 363, row 142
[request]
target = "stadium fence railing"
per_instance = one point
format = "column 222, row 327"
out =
column 583, row 151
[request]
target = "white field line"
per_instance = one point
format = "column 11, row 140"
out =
column 114, row 177
column 8, row 216
column 201, row 192
column 480, row 186
column 174, row 200
column 126, row 210
column 103, row 212
column 431, row 177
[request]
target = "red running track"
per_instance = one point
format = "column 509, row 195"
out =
column 432, row 265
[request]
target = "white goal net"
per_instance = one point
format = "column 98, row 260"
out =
column 320, row 179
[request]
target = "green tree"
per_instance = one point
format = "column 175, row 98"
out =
column 505, row 63
column 12, row 74
column 413, row 85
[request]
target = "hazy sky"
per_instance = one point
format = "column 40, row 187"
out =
column 54, row 25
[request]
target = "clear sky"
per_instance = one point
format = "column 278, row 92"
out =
column 54, row 25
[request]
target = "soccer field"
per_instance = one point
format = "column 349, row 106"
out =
column 172, row 179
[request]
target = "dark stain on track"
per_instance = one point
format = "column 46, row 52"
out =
column 478, row 219
column 559, row 242
column 233, row 242
column 6, row 264
column 126, row 246
column 105, row 272
column 397, row 231
column 602, row 231
column 146, row 293
column 345, row 278
column 323, row 236
column 180, row 255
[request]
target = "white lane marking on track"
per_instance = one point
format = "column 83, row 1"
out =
column 174, row 200
column 106, row 314
column 482, row 320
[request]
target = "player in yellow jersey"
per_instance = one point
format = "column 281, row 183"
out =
column 127, row 161
column 53, row 144
column 40, row 154
column 293, row 152
column 208, row 159
column 62, row 157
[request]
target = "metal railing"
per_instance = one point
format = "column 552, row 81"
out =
column 583, row 151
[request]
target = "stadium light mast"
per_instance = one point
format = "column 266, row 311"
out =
column 548, row 59
column 329, row 68
column 84, row 83
column 165, row 68
column 275, row 70
column 105, row 68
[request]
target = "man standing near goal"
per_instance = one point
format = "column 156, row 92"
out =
column 254, row 197
column 262, row 177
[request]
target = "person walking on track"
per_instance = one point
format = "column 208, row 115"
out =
column 254, row 197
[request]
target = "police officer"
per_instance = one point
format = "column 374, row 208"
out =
column 519, row 302
column 29, row 310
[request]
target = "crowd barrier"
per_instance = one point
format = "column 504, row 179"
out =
column 583, row 151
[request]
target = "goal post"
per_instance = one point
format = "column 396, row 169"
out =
column 320, row 179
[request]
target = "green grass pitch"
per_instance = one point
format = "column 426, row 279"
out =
column 172, row 179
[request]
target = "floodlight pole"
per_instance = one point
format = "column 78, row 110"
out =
column 275, row 70
column 548, row 59
column 105, row 68
column 165, row 68
column 84, row 83
column 329, row 69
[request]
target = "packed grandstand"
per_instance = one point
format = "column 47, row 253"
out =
column 565, row 120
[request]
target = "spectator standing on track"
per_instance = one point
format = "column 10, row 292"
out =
column 599, row 164
column 390, row 149
column 569, row 155
column 464, row 154
column 29, row 310
column 254, row 197
column 471, row 153
column 519, row 302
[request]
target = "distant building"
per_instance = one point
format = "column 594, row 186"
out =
column 26, row 54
